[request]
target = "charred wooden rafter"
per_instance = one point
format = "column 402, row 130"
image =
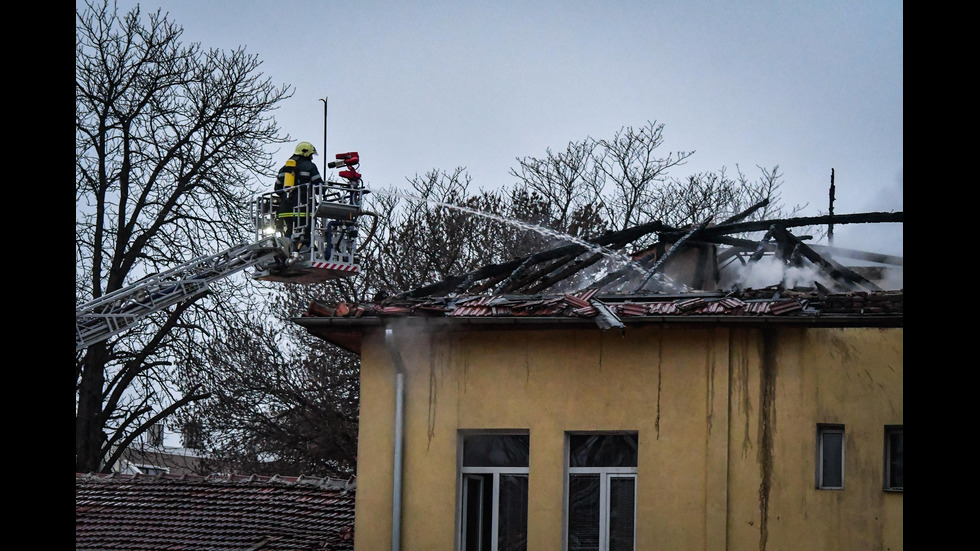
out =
column 538, row 271
column 837, row 272
column 570, row 269
column 502, row 270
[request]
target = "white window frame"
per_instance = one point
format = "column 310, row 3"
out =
column 606, row 475
column 824, row 430
column 891, row 430
column 468, row 474
column 153, row 469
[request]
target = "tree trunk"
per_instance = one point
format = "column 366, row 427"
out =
column 88, row 417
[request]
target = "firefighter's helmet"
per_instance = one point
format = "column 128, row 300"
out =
column 305, row 149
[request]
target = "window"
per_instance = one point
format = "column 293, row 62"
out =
column 493, row 500
column 154, row 435
column 894, row 457
column 192, row 435
column 830, row 457
column 601, row 492
column 152, row 469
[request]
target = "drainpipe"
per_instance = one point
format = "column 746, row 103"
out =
column 396, row 501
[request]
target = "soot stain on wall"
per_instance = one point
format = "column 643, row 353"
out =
column 660, row 359
column 738, row 357
column 433, row 379
column 767, row 427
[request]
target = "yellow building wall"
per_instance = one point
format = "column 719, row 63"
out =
column 726, row 422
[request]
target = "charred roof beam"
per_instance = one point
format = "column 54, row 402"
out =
column 746, row 213
column 619, row 238
column 568, row 271
column 763, row 245
column 763, row 225
column 836, row 271
column 507, row 284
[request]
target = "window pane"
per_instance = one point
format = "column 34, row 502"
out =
column 476, row 521
column 583, row 512
column 602, row 450
column 512, row 526
column 496, row 450
column 622, row 497
column 832, row 469
column 896, row 459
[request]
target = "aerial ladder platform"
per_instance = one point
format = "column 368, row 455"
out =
column 329, row 219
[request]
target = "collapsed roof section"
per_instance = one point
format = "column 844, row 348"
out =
column 705, row 257
column 690, row 275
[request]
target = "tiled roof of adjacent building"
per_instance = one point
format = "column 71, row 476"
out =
column 213, row 513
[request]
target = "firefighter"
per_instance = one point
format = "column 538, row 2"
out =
column 294, row 186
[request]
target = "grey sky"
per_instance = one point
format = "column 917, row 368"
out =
column 416, row 86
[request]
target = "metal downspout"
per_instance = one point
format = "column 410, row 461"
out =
column 396, row 501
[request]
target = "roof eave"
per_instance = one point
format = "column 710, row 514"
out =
column 347, row 332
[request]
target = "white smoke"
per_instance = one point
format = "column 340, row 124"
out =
column 770, row 271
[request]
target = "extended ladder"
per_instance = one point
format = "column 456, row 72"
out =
column 115, row 312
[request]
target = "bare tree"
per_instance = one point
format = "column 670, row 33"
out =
column 562, row 180
column 717, row 196
column 625, row 181
column 630, row 171
column 283, row 402
column 607, row 183
column 168, row 138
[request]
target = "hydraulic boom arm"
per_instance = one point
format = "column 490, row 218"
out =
column 113, row 313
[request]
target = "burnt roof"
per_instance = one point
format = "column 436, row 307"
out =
column 213, row 513
column 679, row 279
column 579, row 264
column 344, row 325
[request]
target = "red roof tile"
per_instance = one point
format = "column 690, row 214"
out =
column 213, row 513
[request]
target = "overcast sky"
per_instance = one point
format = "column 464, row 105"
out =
column 423, row 85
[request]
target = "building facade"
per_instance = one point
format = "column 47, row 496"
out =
column 669, row 432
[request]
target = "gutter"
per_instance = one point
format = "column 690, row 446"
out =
column 346, row 333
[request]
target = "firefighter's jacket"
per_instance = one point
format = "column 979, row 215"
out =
column 306, row 175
